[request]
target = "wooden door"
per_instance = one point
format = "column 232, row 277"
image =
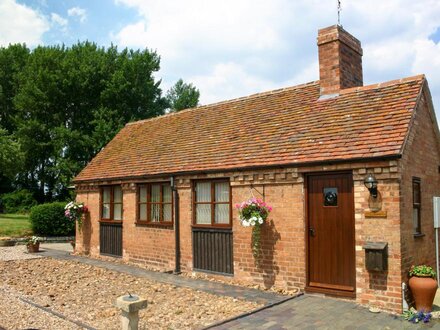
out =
column 331, row 246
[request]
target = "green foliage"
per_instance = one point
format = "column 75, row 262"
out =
column 182, row 96
column 12, row 61
column 60, row 105
column 422, row 271
column 48, row 219
column 15, row 225
column 20, row 201
column 11, row 156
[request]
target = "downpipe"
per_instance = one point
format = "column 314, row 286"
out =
column 176, row 226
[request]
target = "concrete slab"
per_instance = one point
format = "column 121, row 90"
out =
column 436, row 306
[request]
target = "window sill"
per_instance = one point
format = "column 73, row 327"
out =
column 111, row 221
column 209, row 227
column 418, row 235
column 167, row 225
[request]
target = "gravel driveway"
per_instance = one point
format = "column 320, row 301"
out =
column 86, row 293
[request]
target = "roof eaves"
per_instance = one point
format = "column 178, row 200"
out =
column 245, row 168
column 411, row 122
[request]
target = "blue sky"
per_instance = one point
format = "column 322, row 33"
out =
column 232, row 48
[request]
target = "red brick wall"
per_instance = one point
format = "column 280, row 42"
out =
column 421, row 159
column 283, row 247
column 87, row 239
column 378, row 288
column 150, row 245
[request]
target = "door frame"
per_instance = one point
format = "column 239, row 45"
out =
column 326, row 291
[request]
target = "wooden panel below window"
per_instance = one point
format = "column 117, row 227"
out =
column 212, row 250
column 110, row 239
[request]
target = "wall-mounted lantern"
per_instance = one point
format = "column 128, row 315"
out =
column 371, row 183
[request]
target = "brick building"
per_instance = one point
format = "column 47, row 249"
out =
column 162, row 191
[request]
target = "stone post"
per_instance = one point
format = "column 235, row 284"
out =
column 130, row 305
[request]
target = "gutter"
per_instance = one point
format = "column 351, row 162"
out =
column 245, row 168
column 176, row 225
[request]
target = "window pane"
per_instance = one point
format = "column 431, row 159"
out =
column 155, row 212
column 416, row 221
column 106, row 195
column 166, row 193
column 117, row 212
column 416, row 192
column 143, row 212
column 203, row 214
column 143, row 194
column 222, row 192
column 203, row 191
column 106, row 211
column 221, row 213
column 167, row 212
column 155, row 193
column 117, row 194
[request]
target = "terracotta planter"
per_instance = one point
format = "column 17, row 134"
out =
column 423, row 290
column 33, row 248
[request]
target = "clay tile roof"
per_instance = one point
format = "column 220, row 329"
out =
column 285, row 126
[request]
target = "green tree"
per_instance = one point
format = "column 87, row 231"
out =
column 182, row 96
column 12, row 61
column 11, row 157
column 68, row 102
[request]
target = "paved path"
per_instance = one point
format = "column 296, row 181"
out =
column 266, row 298
column 314, row 312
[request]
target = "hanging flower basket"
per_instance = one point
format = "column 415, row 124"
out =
column 253, row 213
column 75, row 212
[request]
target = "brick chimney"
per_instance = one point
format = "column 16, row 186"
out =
column 340, row 60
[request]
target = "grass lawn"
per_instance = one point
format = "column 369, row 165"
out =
column 15, row 225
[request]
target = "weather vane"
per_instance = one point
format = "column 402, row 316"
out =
column 339, row 12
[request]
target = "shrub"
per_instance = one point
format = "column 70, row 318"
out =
column 20, row 201
column 422, row 271
column 48, row 219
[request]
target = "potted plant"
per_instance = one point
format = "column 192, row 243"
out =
column 423, row 286
column 33, row 244
column 253, row 213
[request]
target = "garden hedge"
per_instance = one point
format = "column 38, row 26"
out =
column 20, row 201
column 49, row 220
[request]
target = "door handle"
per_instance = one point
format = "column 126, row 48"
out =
column 312, row 232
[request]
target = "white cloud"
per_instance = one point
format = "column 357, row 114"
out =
column 77, row 11
column 203, row 41
column 21, row 24
column 60, row 21
column 229, row 80
column 232, row 48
